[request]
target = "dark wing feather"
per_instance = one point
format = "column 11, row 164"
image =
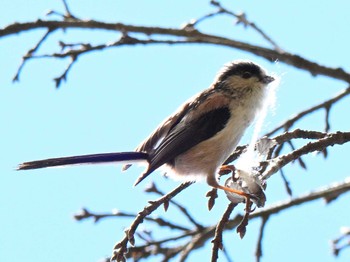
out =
column 150, row 143
column 186, row 135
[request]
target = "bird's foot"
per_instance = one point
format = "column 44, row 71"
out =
column 227, row 169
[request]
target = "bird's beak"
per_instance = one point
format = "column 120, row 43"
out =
column 267, row 79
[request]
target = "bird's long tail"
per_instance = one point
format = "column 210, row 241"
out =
column 121, row 157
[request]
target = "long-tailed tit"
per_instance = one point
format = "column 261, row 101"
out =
column 196, row 140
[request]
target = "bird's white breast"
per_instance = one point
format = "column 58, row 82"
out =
column 204, row 159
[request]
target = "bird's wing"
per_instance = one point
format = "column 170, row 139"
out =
column 200, row 124
column 186, row 135
column 150, row 143
column 154, row 139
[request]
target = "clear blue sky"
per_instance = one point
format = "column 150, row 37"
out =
column 113, row 99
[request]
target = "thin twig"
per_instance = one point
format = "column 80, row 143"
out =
column 342, row 242
column 152, row 188
column 30, row 53
column 85, row 214
column 286, row 183
column 227, row 255
column 63, row 77
column 326, row 104
column 136, row 253
column 300, row 160
column 191, row 24
column 157, row 247
column 332, row 139
column 242, row 19
column 68, row 12
column 258, row 251
column 299, row 133
column 323, row 192
column 120, row 249
column 217, row 240
column 280, row 140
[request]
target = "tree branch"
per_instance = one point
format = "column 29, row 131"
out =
column 85, row 214
column 342, row 242
column 120, row 248
column 29, row 54
column 335, row 189
column 332, row 139
column 258, row 251
column 203, row 235
column 153, row 189
column 242, row 19
column 191, row 36
column 326, row 105
column 217, row 240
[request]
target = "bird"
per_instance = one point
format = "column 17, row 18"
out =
column 193, row 143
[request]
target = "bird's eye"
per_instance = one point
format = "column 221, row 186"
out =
column 246, row 75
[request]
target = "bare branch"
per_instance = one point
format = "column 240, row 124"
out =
column 280, row 140
column 153, row 189
column 72, row 50
column 200, row 236
column 195, row 243
column 242, row 19
column 342, row 242
column 208, row 232
column 120, row 249
column 324, row 192
column 286, row 183
column 192, row 23
column 300, row 160
column 217, row 240
column 68, row 12
column 191, row 36
column 332, row 139
column 204, row 235
column 29, row 55
column 157, row 247
column 258, row 252
column 326, row 105
column 138, row 253
column 63, row 77
column 298, row 133
column 85, row 214
column 336, row 188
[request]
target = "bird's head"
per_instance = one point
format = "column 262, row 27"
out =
column 242, row 74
